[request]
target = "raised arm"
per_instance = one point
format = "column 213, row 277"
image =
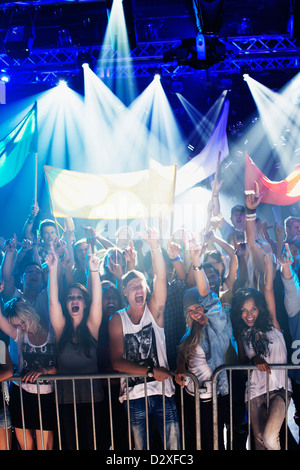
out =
column 269, row 280
column 92, row 237
column 27, row 229
column 233, row 260
column 95, row 315
column 252, row 200
column 158, row 298
column 202, row 284
column 7, row 268
column 174, row 250
column 5, row 326
column 55, row 309
column 290, row 281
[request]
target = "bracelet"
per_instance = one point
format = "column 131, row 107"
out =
column 250, row 217
column 178, row 258
column 91, row 271
column 155, row 249
column 215, row 195
column 197, row 268
column 249, row 211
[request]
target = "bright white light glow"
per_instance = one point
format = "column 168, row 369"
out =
column 62, row 83
column 279, row 111
column 115, row 49
column 204, row 124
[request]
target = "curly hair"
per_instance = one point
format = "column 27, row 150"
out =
column 263, row 321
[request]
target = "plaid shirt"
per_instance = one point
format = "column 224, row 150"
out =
column 174, row 319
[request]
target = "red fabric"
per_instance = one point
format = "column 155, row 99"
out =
column 280, row 193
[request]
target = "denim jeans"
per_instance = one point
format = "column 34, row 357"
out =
column 137, row 409
column 266, row 423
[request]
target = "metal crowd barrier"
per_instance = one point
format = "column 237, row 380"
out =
column 106, row 379
column 247, row 369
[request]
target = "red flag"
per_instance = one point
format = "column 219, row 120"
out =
column 278, row 193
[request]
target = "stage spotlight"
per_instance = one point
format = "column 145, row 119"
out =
column 64, row 38
column 246, row 76
column 200, row 52
column 209, row 15
column 20, row 35
column 4, row 77
column 62, row 83
column 85, row 59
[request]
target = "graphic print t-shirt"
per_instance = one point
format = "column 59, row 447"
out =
column 144, row 344
column 32, row 357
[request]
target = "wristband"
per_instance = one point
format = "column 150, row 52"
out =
column 178, row 258
column 249, row 211
column 197, row 268
column 250, row 217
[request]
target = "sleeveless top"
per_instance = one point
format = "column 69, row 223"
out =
column 32, row 357
column 144, row 344
column 198, row 366
column 277, row 354
column 73, row 361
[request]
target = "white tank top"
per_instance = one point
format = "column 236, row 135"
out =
column 198, row 366
column 144, row 344
column 277, row 355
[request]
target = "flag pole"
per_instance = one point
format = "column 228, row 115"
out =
column 35, row 178
column 208, row 222
column 172, row 210
column 216, row 173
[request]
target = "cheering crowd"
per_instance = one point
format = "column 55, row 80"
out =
column 157, row 311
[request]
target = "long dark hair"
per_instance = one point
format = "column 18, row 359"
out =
column 83, row 336
column 263, row 322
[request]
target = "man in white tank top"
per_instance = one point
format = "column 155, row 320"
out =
column 137, row 347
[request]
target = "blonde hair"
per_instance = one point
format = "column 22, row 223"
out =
column 192, row 338
column 18, row 307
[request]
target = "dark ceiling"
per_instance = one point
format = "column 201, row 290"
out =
column 29, row 28
column 158, row 19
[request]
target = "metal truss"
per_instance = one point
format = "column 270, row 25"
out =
column 254, row 53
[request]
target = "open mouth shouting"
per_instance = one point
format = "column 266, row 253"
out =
column 139, row 299
column 75, row 302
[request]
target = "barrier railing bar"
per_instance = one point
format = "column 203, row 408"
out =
column 248, row 369
column 4, row 384
column 75, row 414
column 128, row 418
column 110, row 414
column 40, row 413
column 57, row 415
column 93, row 414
